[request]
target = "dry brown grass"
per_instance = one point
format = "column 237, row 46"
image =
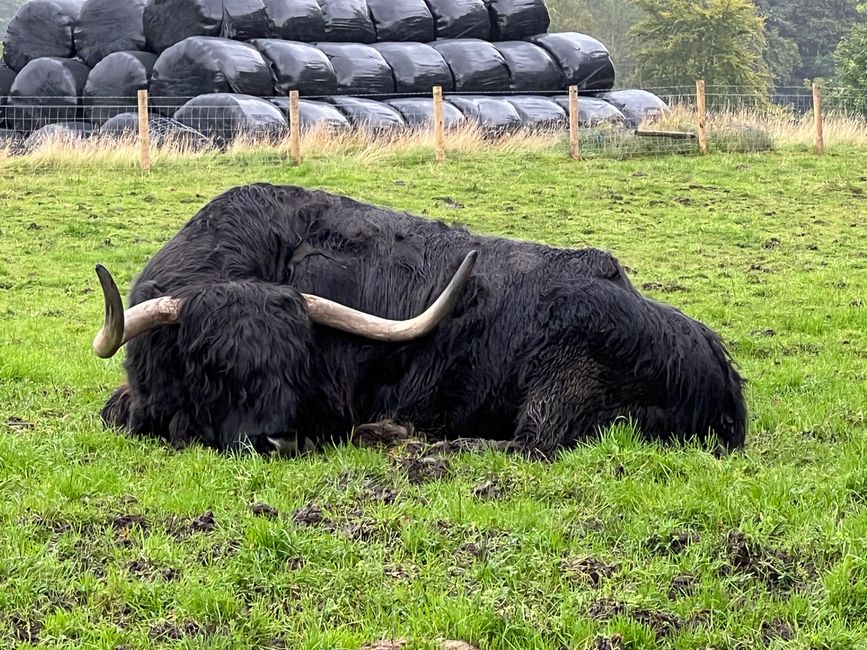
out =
column 783, row 127
column 357, row 146
column 747, row 129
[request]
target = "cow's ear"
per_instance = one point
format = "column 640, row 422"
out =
column 611, row 268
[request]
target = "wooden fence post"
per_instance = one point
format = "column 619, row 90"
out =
column 295, row 126
column 144, row 136
column 574, row 141
column 439, row 127
column 817, row 113
column 701, row 104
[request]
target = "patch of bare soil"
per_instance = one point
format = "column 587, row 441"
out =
column 775, row 567
column 394, row 644
column 425, row 469
column 776, row 629
column 492, row 490
column 661, row 623
column 146, row 570
column 606, row 608
column 672, row 544
column 682, row 585
column 220, row 552
column 18, row 424
column 373, row 489
column 355, row 526
column 25, row 630
column 204, row 523
column 309, row 515
column 264, row 510
column 374, row 492
column 590, row 570
column 613, row 642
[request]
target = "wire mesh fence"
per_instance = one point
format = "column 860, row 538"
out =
column 612, row 125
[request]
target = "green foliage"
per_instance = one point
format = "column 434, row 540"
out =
column 781, row 56
column 720, row 41
column 665, row 547
column 803, row 35
column 851, row 60
column 7, row 11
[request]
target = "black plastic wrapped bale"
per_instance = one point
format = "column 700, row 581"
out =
column 41, row 28
column 225, row 116
column 162, row 131
column 540, row 113
column 517, row 19
column 490, row 113
column 202, row 65
column 636, row 105
column 107, row 26
column 416, row 67
column 122, row 125
column 298, row 66
column 167, row 22
column 244, row 19
column 406, row 20
column 360, row 69
column 418, row 112
column 7, row 76
column 592, row 111
column 531, row 68
column 47, row 90
column 585, row 62
column 67, row 132
column 476, row 66
column 112, row 86
column 296, row 20
column 460, row 18
column 368, row 114
column 347, row 21
column 314, row 114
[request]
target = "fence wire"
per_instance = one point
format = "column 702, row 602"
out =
column 735, row 121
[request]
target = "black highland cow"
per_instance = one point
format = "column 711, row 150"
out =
column 253, row 325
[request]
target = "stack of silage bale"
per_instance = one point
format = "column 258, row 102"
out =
column 224, row 67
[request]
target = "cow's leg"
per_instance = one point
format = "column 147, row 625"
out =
column 564, row 402
column 292, row 444
column 385, row 433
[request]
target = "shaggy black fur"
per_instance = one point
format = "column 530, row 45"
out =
column 545, row 346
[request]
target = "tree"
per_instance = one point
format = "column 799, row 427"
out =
column 609, row 21
column 851, row 62
column 805, row 36
column 720, row 41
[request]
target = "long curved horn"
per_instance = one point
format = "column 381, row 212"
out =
column 346, row 319
column 121, row 326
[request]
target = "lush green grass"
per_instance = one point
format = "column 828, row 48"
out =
column 102, row 538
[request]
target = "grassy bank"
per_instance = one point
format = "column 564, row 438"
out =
column 107, row 541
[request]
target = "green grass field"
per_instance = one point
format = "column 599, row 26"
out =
column 109, row 542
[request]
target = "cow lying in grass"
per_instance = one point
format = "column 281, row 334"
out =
column 280, row 314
